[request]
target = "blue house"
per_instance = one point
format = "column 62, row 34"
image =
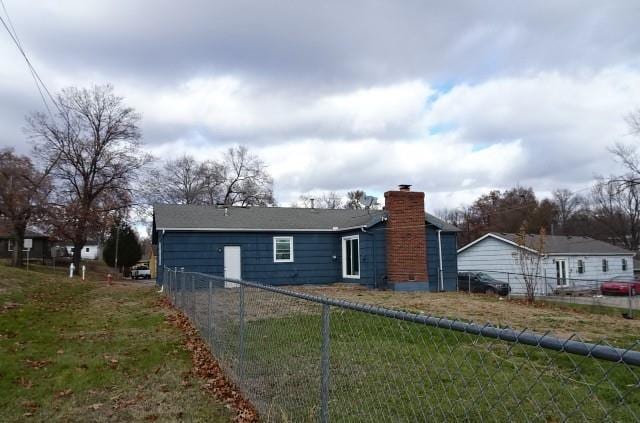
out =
column 399, row 248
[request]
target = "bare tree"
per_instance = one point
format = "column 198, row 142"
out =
column 213, row 181
column 325, row 200
column 23, row 196
column 633, row 120
column 616, row 210
column 567, row 204
column 94, row 147
column 246, row 180
column 528, row 256
column 179, row 181
column 331, row 200
column 355, row 200
column 627, row 155
column 452, row 216
column 241, row 178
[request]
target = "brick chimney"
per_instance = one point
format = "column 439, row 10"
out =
column 406, row 241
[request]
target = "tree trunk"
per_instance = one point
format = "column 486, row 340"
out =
column 18, row 238
column 77, row 254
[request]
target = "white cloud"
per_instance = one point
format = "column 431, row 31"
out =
column 229, row 107
column 546, row 130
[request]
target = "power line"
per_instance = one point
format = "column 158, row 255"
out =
column 34, row 74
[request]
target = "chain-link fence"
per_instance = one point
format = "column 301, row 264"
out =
column 619, row 292
column 299, row 357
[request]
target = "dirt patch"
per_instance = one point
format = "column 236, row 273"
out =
column 8, row 306
column 540, row 316
column 207, row 368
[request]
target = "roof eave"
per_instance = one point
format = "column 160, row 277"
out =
column 262, row 229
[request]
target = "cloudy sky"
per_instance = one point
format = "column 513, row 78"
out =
column 454, row 98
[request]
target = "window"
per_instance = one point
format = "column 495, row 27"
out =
column 580, row 266
column 605, row 265
column 351, row 257
column 87, row 249
column 10, row 245
column 624, row 264
column 282, row 249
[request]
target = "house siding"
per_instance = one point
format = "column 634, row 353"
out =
column 314, row 253
column 373, row 266
column 92, row 254
column 204, row 252
column 496, row 258
column 449, row 260
column 40, row 249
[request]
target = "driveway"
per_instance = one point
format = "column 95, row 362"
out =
column 608, row 300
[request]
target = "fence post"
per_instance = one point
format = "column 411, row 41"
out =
column 324, row 366
column 241, row 359
column 209, row 319
column 182, row 288
column 630, row 301
column 194, row 307
column 175, row 287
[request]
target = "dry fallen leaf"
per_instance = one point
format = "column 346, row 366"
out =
column 64, row 393
column 206, row 367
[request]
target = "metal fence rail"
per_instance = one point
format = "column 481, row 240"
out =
column 578, row 291
column 299, row 357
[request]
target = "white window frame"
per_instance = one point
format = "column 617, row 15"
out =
column 10, row 243
column 580, row 266
column 275, row 240
column 344, row 257
column 605, row 265
column 624, row 264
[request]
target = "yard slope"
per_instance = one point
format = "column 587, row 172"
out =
column 72, row 350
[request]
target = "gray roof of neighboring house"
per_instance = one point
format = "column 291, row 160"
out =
column 190, row 217
column 27, row 234
column 560, row 244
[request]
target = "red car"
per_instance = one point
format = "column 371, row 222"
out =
column 622, row 285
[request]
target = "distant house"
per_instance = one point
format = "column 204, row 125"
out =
column 400, row 247
column 567, row 261
column 91, row 250
column 149, row 259
column 40, row 246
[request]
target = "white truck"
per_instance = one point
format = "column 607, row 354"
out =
column 140, row 272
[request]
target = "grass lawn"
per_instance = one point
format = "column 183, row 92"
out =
column 84, row 351
column 591, row 323
column 388, row 370
column 384, row 369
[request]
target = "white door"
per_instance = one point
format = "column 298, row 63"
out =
column 232, row 265
column 561, row 272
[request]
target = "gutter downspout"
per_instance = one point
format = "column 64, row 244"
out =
column 440, row 271
column 159, row 264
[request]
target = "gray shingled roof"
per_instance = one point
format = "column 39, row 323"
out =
column 173, row 216
column 27, row 234
column 560, row 244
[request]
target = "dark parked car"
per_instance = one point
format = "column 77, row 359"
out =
column 621, row 285
column 481, row 283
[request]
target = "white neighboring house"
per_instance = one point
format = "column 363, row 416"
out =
column 91, row 251
column 567, row 261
